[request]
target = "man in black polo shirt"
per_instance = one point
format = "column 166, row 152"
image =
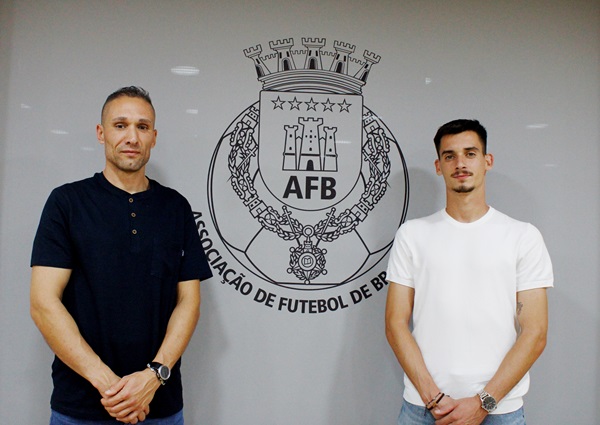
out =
column 115, row 286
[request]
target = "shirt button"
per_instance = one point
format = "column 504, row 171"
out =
column 133, row 215
column 131, row 200
column 134, row 232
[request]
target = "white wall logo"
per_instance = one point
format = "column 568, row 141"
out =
column 307, row 186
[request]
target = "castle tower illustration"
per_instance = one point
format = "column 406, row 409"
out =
column 250, row 120
column 290, row 153
column 370, row 59
column 313, row 76
column 310, row 149
column 254, row 54
column 313, row 52
column 329, row 151
column 343, row 52
column 285, row 60
column 317, row 153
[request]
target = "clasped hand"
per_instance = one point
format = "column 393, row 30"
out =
column 128, row 400
column 463, row 411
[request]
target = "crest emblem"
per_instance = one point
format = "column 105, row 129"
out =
column 316, row 137
column 308, row 163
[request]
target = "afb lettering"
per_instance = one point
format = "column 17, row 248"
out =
column 325, row 186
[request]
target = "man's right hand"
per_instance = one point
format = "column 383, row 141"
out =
column 103, row 384
column 464, row 411
column 128, row 400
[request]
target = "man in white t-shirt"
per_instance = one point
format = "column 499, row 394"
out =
column 473, row 281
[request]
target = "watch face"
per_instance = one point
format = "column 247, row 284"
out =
column 164, row 372
column 489, row 403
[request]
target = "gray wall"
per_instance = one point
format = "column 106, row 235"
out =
column 528, row 70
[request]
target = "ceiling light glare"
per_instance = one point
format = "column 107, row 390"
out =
column 185, row 71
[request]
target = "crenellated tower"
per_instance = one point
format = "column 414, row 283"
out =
column 329, row 150
column 310, row 148
column 313, row 52
column 289, row 152
column 254, row 54
column 370, row 59
column 342, row 56
column 285, row 60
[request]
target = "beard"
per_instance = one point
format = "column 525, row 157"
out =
column 464, row 189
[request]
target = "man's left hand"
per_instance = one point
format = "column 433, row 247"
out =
column 128, row 400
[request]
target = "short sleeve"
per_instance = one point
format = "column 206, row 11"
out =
column 52, row 245
column 534, row 268
column 400, row 264
column 194, row 264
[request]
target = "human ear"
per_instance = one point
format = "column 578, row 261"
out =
column 438, row 169
column 489, row 160
column 100, row 133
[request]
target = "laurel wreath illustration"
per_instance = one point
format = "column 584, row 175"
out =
column 307, row 260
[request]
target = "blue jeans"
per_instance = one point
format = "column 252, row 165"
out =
column 60, row 419
column 418, row 415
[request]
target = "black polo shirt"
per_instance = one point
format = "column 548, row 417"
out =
column 127, row 253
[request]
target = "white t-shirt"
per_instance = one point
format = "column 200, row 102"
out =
column 466, row 276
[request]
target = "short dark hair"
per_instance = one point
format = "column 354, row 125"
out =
column 130, row 91
column 459, row 126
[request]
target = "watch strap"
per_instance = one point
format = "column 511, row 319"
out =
column 155, row 367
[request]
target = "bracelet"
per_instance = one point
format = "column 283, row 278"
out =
column 434, row 401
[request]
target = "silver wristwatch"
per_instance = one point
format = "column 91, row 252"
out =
column 162, row 372
column 488, row 403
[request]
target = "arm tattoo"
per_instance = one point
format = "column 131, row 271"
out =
column 519, row 307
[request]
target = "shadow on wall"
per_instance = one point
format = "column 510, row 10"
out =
column 366, row 369
column 154, row 172
column 426, row 193
column 553, row 377
column 202, row 381
column 511, row 197
column 38, row 370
